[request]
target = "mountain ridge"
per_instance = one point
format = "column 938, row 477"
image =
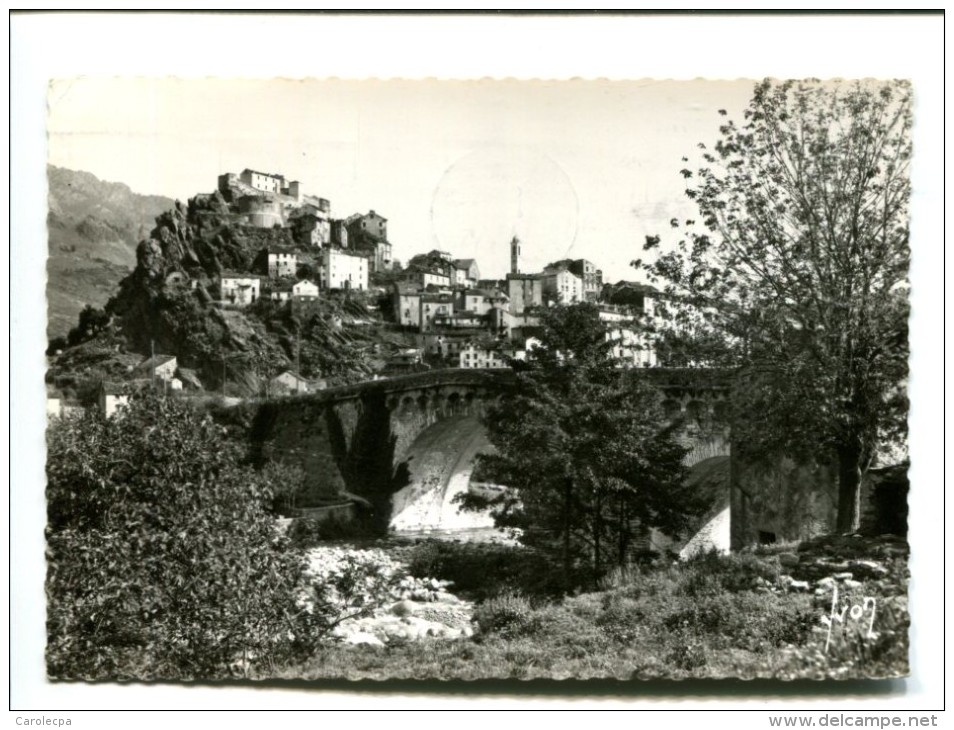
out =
column 93, row 229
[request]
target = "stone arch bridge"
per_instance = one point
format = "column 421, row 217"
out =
column 406, row 445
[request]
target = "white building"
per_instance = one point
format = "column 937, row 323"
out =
column 305, row 291
column 239, row 289
column 633, row 346
column 435, row 305
column 423, row 279
column 563, row 286
column 162, row 367
column 264, row 181
column 480, row 301
column 407, row 304
column 466, row 272
column 288, row 382
column 341, row 269
column 487, row 356
column 282, row 264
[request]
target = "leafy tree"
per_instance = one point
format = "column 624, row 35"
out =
column 306, row 271
column 163, row 560
column 92, row 321
column 585, row 448
column 799, row 277
column 57, row 344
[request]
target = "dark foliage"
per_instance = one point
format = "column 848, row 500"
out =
column 163, row 558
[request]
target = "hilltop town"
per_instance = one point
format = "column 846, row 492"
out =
column 270, row 264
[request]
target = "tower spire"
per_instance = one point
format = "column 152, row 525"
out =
column 515, row 255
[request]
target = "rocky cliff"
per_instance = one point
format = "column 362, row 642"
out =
column 167, row 304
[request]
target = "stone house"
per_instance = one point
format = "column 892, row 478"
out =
column 562, row 286
column 407, row 304
column 632, row 344
column 382, row 258
column 241, row 289
column 479, row 301
column 466, row 272
column 288, row 382
column 265, row 181
column 524, row 291
column 423, row 279
column 281, row 292
column 434, row 305
column 161, row 367
column 446, row 343
column 460, row 319
column 311, row 227
column 370, row 224
column 488, row 355
column 54, row 403
column 591, row 278
column 305, row 291
column 342, row 269
column 282, row 263
column 639, row 298
column 114, row 396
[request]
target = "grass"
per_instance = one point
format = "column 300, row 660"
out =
column 713, row 616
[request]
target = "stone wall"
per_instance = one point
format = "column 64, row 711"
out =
column 780, row 500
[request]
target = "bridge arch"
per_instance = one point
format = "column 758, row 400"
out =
column 407, row 444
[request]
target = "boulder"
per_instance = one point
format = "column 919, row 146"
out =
column 403, row 608
column 868, row 569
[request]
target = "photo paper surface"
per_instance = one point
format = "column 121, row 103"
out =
column 498, row 379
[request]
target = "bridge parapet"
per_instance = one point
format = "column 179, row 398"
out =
column 356, row 438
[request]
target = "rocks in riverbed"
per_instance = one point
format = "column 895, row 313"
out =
column 408, row 608
column 408, row 620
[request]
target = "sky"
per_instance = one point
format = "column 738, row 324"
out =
column 580, row 169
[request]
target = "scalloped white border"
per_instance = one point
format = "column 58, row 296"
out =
column 552, row 47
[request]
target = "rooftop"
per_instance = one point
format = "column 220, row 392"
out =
column 267, row 174
column 240, row 275
column 155, row 361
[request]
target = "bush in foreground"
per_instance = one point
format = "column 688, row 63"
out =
column 163, row 559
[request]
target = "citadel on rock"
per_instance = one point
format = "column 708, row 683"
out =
column 465, row 320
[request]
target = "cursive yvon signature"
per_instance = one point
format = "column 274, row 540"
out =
column 850, row 613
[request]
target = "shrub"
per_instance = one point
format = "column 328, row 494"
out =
column 304, row 532
column 713, row 616
column 687, row 657
column 163, row 559
column 712, row 572
column 752, row 621
column 508, row 616
column 349, row 583
column 483, row 570
column 624, row 621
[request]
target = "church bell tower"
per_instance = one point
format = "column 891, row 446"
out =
column 515, row 255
